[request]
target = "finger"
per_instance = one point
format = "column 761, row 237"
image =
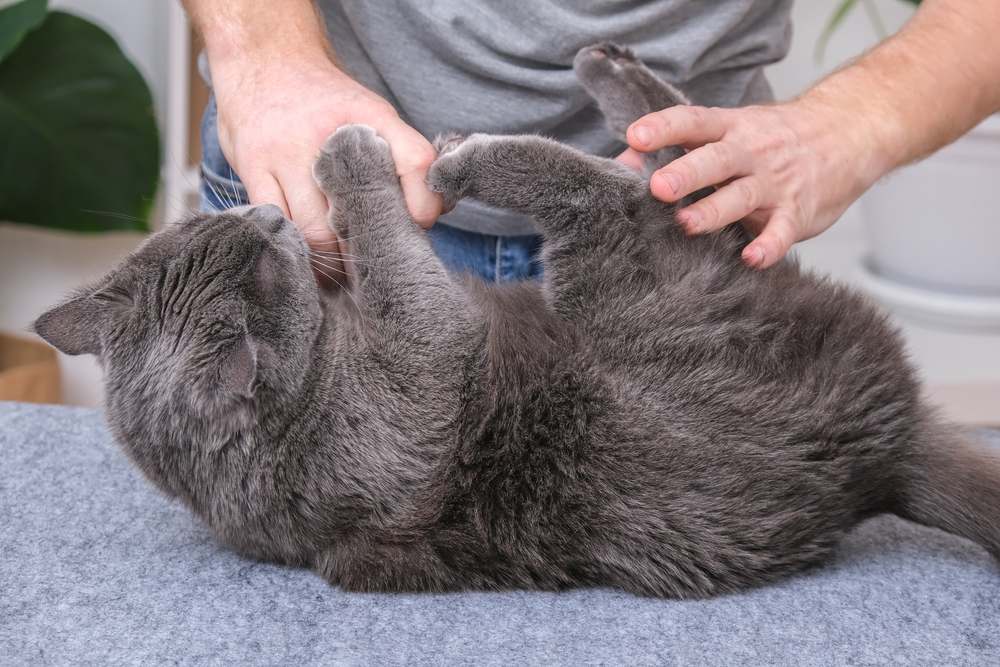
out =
column 310, row 213
column 755, row 222
column 773, row 243
column 730, row 203
column 632, row 159
column 413, row 156
column 687, row 126
column 701, row 168
column 263, row 188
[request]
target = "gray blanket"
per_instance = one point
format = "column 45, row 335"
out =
column 96, row 567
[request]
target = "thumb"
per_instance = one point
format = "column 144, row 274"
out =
column 413, row 156
column 772, row 245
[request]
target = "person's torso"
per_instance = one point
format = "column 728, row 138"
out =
column 505, row 66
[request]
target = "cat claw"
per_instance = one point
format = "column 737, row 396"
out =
column 617, row 55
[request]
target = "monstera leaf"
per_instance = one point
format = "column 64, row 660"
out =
column 80, row 148
column 16, row 21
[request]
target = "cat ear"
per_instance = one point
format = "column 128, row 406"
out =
column 76, row 326
column 238, row 369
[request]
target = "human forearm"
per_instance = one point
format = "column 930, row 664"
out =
column 249, row 31
column 280, row 95
column 788, row 171
column 922, row 88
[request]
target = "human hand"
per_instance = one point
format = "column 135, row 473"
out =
column 275, row 116
column 786, row 171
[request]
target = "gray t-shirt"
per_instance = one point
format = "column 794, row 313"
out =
column 505, row 66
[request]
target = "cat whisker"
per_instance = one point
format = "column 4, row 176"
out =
column 312, row 235
column 332, row 267
column 317, row 243
column 218, row 195
column 320, row 253
column 335, row 256
column 342, row 261
column 343, row 288
column 232, row 182
column 114, row 214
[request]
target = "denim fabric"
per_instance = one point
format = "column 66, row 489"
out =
column 221, row 188
column 492, row 258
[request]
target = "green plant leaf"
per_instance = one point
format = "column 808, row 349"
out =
column 836, row 19
column 80, row 145
column 17, row 20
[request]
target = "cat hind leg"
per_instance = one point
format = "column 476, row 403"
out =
column 625, row 89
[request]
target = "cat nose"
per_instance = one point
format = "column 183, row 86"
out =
column 266, row 212
column 268, row 216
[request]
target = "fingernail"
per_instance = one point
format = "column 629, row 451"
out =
column 642, row 134
column 754, row 256
column 690, row 221
column 670, row 180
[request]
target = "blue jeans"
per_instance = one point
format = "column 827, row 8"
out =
column 492, row 258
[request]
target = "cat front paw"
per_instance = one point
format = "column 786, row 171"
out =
column 354, row 157
column 450, row 173
column 446, row 143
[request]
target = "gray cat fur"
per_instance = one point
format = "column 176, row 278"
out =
column 654, row 416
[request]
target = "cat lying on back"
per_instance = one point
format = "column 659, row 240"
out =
column 654, row 416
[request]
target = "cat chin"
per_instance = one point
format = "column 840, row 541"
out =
column 218, row 420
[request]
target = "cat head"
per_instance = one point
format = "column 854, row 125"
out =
column 207, row 323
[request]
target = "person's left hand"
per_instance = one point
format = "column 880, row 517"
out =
column 787, row 171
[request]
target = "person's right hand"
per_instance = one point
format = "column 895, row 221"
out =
column 275, row 116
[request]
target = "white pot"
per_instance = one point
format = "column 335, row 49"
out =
column 934, row 233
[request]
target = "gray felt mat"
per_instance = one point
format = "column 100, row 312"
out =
column 96, row 567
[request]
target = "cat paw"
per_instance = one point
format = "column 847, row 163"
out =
column 449, row 174
column 354, row 157
column 446, row 143
column 624, row 88
column 604, row 60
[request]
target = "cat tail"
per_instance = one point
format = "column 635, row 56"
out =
column 625, row 90
column 953, row 483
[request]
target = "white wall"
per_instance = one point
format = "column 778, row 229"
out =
column 962, row 369
column 38, row 268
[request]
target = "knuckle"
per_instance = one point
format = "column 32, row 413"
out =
column 661, row 122
column 747, row 194
column 709, row 210
column 423, row 157
column 722, row 155
column 685, row 174
column 416, row 158
column 697, row 114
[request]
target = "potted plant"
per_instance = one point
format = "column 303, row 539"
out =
column 80, row 150
column 934, row 226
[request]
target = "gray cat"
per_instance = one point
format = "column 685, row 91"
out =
column 653, row 416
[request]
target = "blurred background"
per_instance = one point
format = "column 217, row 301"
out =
column 925, row 242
